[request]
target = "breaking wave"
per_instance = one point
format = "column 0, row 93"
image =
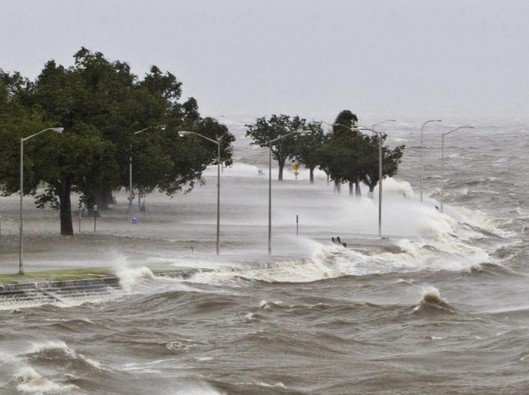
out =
column 59, row 352
column 52, row 357
column 452, row 243
column 432, row 304
column 28, row 381
column 332, row 261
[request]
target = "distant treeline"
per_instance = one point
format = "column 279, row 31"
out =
column 345, row 154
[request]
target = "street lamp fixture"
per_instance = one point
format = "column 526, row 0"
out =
column 161, row 127
column 443, row 159
column 184, row 133
column 21, row 210
column 422, row 166
column 381, row 122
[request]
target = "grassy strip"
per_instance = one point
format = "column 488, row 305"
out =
column 55, row 275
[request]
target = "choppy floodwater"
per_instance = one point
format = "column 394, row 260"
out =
column 445, row 312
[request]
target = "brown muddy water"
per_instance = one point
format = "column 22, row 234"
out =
column 444, row 310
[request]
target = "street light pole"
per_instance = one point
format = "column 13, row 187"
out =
column 131, row 196
column 21, row 209
column 422, row 166
column 380, row 166
column 131, row 191
column 443, row 158
column 218, row 142
column 218, row 197
column 380, row 176
column 380, row 172
column 270, row 197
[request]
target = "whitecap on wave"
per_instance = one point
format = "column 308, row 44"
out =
column 432, row 304
column 28, row 381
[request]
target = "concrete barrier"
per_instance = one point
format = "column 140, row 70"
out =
column 46, row 292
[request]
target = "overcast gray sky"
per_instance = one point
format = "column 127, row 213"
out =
column 312, row 57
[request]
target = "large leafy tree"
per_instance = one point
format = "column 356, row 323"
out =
column 186, row 157
column 350, row 156
column 264, row 130
column 307, row 146
column 100, row 104
column 391, row 158
column 15, row 121
column 83, row 99
column 341, row 156
column 63, row 163
column 345, row 121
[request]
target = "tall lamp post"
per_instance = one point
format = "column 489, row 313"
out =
column 21, row 210
column 443, row 158
column 131, row 191
column 380, row 176
column 217, row 141
column 422, row 166
column 380, row 168
column 270, row 185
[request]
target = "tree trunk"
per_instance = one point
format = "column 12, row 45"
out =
column 350, row 188
column 311, row 177
column 358, row 191
column 281, row 165
column 108, row 196
column 99, row 199
column 89, row 204
column 65, row 208
column 337, row 187
column 103, row 198
column 371, row 190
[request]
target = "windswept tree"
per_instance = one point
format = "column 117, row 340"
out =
column 391, row 158
column 100, row 104
column 350, row 156
column 264, row 130
column 341, row 157
column 346, row 139
column 16, row 119
column 84, row 99
column 307, row 147
column 187, row 156
column 345, row 121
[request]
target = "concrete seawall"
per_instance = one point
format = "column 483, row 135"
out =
column 87, row 286
column 44, row 292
